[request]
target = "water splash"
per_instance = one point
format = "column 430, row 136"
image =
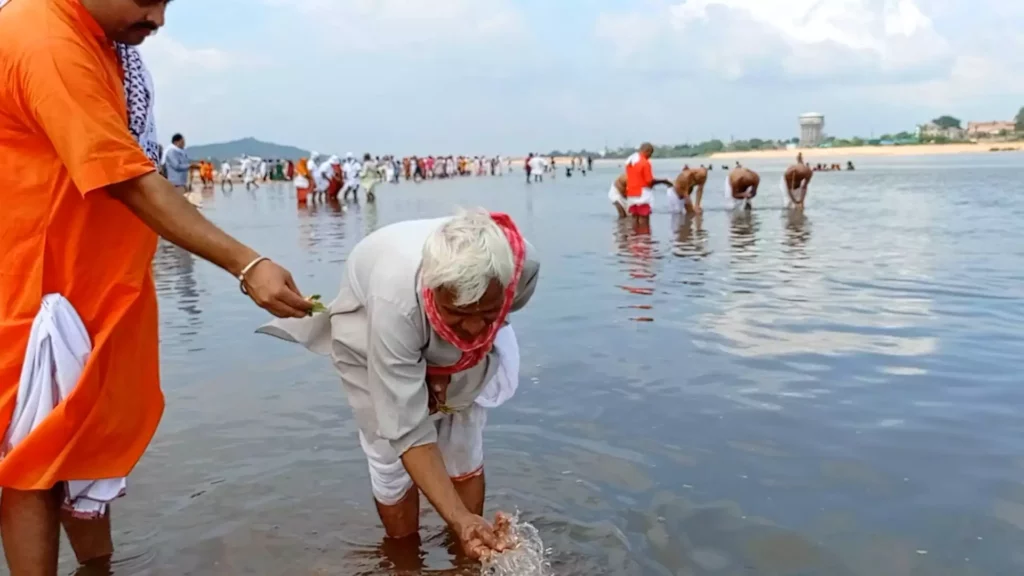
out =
column 526, row 556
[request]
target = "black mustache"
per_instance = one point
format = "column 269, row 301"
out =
column 149, row 26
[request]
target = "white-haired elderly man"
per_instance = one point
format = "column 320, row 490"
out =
column 419, row 335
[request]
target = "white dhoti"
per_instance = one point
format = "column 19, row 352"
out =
column 676, row 204
column 786, row 200
column 616, row 197
column 58, row 349
column 459, row 435
column 736, row 203
column 322, row 184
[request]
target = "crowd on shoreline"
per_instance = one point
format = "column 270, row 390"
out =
column 328, row 176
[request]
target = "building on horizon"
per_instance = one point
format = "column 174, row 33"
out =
column 812, row 129
column 933, row 130
column 994, row 128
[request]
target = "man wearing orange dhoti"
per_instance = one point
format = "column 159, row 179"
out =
column 83, row 205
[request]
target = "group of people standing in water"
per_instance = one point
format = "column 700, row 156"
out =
column 632, row 192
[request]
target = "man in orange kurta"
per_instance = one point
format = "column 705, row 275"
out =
column 82, row 206
column 639, row 180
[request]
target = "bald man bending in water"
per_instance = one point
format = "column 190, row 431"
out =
column 689, row 180
column 794, row 184
column 741, row 187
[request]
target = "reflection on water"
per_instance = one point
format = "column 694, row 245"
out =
column 691, row 238
column 798, row 234
column 638, row 254
column 827, row 393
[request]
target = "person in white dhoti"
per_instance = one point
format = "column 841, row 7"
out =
column 617, row 195
column 794, row 184
column 741, row 187
column 262, row 171
column 351, row 169
column 538, row 166
column 687, row 192
column 225, row 176
column 419, row 336
column 369, row 177
column 322, row 176
column 249, row 172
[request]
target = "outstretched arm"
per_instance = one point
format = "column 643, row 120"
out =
column 154, row 201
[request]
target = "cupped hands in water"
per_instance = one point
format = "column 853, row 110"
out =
column 480, row 539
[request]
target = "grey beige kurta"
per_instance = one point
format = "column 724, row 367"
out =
column 380, row 341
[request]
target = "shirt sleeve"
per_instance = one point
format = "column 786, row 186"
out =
column 647, row 175
column 397, row 378
column 82, row 115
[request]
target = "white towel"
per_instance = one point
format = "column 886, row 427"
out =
column 58, row 349
column 505, row 382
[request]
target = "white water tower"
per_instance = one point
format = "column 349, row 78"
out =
column 812, row 129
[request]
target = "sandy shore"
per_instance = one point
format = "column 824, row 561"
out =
column 919, row 150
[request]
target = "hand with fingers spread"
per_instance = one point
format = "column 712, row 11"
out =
column 271, row 287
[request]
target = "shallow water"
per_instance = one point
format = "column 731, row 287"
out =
column 833, row 393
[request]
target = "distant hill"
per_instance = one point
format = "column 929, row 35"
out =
column 249, row 146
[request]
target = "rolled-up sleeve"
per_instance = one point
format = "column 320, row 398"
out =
column 397, row 378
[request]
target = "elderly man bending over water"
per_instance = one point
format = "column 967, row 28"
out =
column 418, row 334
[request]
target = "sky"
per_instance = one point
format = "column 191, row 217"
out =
column 514, row 76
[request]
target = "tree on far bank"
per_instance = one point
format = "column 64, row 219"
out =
column 947, row 122
column 1020, row 120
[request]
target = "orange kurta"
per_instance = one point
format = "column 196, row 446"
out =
column 64, row 138
column 639, row 175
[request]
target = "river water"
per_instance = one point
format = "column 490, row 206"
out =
column 829, row 393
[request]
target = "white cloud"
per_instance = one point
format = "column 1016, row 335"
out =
column 189, row 81
column 374, row 25
column 166, row 56
column 796, row 39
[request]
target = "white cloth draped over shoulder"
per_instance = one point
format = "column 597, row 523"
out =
column 58, row 348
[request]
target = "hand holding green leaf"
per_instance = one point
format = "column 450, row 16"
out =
column 318, row 306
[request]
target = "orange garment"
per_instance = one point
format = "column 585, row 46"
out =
column 639, row 175
column 206, row 171
column 336, row 181
column 64, row 135
column 302, row 167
